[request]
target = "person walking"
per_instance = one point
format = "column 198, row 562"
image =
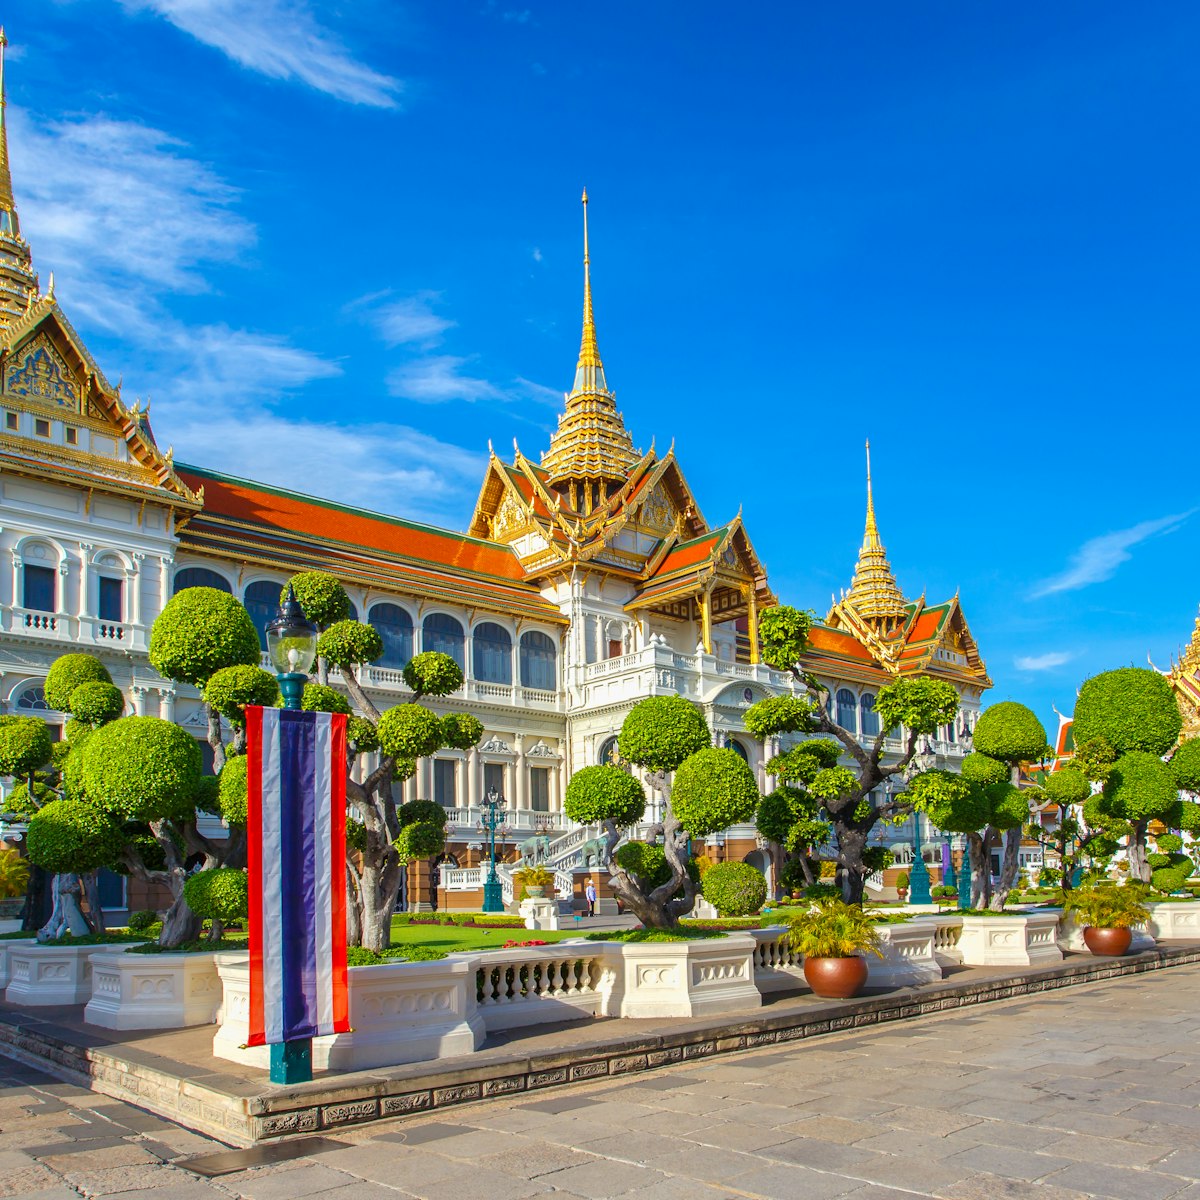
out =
column 589, row 894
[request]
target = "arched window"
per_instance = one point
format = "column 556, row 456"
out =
column 262, row 603
column 441, row 632
column 352, row 615
column 538, row 662
column 870, row 722
column 737, row 747
column 33, row 699
column 200, row 577
column 395, row 626
column 607, row 755
column 847, row 710
column 40, row 587
column 491, row 657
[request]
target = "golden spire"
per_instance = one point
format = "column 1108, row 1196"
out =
column 8, row 207
column 18, row 283
column 589, row 371
column 591, row 442
column 874, row 593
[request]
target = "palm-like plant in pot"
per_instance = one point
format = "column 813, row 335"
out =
column 1108, row 916
column 833, row 937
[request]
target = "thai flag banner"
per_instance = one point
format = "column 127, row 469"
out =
column 296, row 855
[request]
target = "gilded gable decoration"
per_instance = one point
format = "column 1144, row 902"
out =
column 42, row 373
column 509, row 517
column 658, row 513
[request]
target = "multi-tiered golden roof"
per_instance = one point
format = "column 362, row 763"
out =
column 591, row 452
column 18, row 283
column 874, row 593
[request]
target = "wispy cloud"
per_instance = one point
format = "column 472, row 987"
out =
column 281, row 39
column 411, row 320
column 128, row 219
column 1042, row 662
column 1098, row 558
column 438, row 379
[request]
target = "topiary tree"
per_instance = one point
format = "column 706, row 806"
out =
column 734, row 889
column 66, row 673
column 219, row 896
column 1008, row 735
column 712, row 789
column 1126, row 722
column 843, row 797
column 384, row 841
column 1067, row 790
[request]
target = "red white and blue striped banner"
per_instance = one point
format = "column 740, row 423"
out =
column 296, row 855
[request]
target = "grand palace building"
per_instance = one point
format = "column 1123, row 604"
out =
column 587, row 578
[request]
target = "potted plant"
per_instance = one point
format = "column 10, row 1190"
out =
column 537, row 880
column 943, row 895
column 1108, row 915
column 902, row 886
column 832, row 938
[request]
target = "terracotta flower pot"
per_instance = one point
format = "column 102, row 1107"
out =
column 836, row 978
column 1112, row 942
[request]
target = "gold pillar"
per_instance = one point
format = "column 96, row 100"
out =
column 706, row 619
column 752, row 620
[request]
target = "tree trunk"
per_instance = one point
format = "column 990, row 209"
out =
column 852, row 841
column 354, row 922
column 180, row 924
column 214, row 738
column 1139, row 868
column 378, row 888
column 980, row 868
column 1008, row 869
column 91, row 893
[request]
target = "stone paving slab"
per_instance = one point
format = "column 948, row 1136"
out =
column 613, row 1138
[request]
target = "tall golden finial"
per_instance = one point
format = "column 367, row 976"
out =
column 589, row 353
column 7, row 203
column 874, row 593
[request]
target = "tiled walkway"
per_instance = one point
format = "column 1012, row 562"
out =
column 1090, row 1091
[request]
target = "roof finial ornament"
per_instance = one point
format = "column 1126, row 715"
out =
column 50, row 289
column 589, row 353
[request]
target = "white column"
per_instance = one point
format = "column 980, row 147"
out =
column 521, row 783
column 81, row 600
column 166, row 703
column 425, row 775
column 164, row 582
column 18, row 593
column 135, row 585
column 474, row 795
column 139, row 700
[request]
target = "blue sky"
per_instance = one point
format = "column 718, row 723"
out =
column 338, row 245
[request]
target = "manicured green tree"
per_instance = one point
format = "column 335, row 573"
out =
column 219, row 896
column 790, row 818
column 1073, row 841
column 711, row 789
column 734, row 889
column 66, row 673
column 384, row 843
column 1010, row 735
column 199, row 633
column 844, row 795
column 1129, row 721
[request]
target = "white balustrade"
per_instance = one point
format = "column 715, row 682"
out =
column 532, row 984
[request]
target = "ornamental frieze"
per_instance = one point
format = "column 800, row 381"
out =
column 42, row 373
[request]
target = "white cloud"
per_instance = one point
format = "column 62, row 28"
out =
column 1098, row 559
column 411, row 320
column 121, row 213
column 437, row 379
column 537, row 254
column 1042, row 662
column 280, row 39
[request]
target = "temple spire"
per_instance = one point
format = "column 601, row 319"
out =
column 589, row 371
column 18, row 283
column 8, row 207
column 874, row 593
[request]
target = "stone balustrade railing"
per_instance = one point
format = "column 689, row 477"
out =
column 529, row 985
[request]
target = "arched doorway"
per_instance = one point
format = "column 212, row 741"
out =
column 761, row 861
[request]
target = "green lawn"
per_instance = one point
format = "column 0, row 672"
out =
column 458, row 937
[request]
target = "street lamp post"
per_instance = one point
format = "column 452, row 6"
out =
column 292, row 649
column 493, row 898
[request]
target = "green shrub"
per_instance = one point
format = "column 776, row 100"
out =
column 683, row 934
column 72, row 836
column 427, row 811
column 232, row 789
column 220, row 894
column 834, row 930
column 1011, row 733
column 902, row 880
column 96, row 703
column 659, row 733
column 1067, row 786
column 67, row 673
column 648, row 863
column 199, row 631
column 713, row 789
column 1140, row 786
column 780, row 714
column 1130, row 709
column 141, row 920
column 361, row 735
column 348, row 644
column 319, row 698
column 25, row 745
column 143, row 768
column 783, row 636
column 409, row 731
column 822, row 891
column 230, row 689
column 461, row 731
column 984, row 770
column 605, row 793
column 1185, row 765
column 734, row 889
column 1108, row 908
column 320, row 595
column 433, row 674
column 421, row 839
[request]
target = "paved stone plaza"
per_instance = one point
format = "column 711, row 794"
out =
column 1089, row 1091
